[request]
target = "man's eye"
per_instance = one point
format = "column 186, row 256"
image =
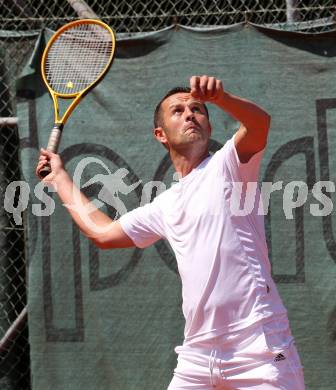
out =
column 177, row 110
column 196, row 109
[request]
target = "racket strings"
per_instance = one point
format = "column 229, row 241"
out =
column 77, row 58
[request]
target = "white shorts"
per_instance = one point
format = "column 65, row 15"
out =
column 260, row 357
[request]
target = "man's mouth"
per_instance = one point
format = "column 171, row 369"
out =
column 191, row 129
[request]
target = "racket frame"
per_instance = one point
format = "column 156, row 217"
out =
column 77, row 96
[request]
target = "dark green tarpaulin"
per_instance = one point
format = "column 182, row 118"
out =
column 110, row 319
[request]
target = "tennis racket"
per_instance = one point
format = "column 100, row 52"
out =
column 76, row 58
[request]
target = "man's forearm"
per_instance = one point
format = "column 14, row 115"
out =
column 91, row 221
column 248, row 113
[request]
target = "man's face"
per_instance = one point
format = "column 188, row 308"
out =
column 185, row 121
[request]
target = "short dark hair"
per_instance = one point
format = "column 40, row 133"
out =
column 158, row 112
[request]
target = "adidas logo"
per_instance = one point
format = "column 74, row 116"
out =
column 279, row 357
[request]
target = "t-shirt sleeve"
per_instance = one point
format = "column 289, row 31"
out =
column 236, row 170
column 143, row 224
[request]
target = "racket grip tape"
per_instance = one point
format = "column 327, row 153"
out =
column 55, row 138
column 53, row 144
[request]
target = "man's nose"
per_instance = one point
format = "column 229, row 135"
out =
column 189, row 114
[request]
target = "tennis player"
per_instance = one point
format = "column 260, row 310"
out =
column 237, row 334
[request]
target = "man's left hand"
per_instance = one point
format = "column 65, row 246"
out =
column 207, row 89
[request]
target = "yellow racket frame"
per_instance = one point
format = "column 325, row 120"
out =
column 77, row 96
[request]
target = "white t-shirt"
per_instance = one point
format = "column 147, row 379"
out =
column 222, row 257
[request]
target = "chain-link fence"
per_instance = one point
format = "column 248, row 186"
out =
column 146, row 15
column 19, row 17
column 20, row 22
column 14, row 349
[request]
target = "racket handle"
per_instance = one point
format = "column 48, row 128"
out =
column 55, row 138
column 53, row 144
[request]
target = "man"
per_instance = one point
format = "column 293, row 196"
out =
column 237, row 334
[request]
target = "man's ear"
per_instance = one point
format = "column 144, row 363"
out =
column 160, row 135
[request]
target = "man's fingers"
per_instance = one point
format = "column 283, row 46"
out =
column 206, row 88
column 219, row 86
column 47, row 153
column 45, row 159
column 204, row 85
column 51, row 160
column 39, row 167
column 194, row 85
column 211, row 87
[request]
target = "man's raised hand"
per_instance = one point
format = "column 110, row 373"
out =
column 207, row 89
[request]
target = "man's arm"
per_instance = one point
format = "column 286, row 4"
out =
column 251, row 136
column 97, row 226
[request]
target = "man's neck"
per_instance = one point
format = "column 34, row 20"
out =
column 185, row 162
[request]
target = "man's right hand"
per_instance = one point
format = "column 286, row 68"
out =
column 55, row 163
